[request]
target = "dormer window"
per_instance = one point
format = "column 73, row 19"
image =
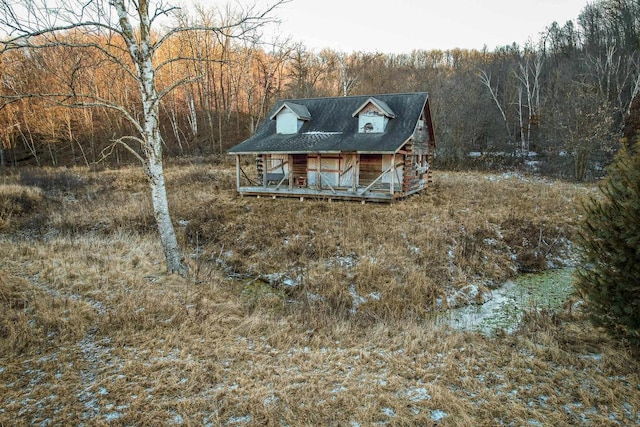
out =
column 290, row 117
column 373, row 116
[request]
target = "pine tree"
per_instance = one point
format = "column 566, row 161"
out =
column 609, row 277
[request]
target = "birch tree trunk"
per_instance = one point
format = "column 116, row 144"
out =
column 141, row 51
column 166, row 231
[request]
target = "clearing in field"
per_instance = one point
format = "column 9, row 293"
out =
column 295, row 313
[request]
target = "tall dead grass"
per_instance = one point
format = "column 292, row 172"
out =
column 296, row 313
column 470, row 228
column 19, row 204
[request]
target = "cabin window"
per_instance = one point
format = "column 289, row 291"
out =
column 373, row 116
column 372, row 122
column 287, row 122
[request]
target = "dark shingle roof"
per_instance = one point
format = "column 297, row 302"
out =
column 332, row 127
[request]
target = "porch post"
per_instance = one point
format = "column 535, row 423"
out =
column 356, row 173
column 318, row 170
column 291, row 177
column 393, row 173
column 237, row 171
column 265, row 170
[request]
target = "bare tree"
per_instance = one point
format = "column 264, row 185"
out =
column 485, row 79
column 124, row 33
column 529, row 76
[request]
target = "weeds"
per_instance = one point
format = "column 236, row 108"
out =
column 19, row 206
column 323, row 321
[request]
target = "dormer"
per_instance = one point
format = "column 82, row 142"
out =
column 290, row 117
column 373, row 116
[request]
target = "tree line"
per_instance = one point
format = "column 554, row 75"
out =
column 555, row 105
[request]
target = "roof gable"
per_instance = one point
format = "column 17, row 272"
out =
column 300, row 111
column 380, row 105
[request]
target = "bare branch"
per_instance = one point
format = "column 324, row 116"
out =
column 188, row 58
column 248, row 21
column 69, row 101
column 486, row 81
column 177, row 84
column 108, row 150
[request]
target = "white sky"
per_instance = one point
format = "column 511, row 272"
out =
column 399, row 26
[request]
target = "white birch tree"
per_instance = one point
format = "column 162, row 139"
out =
column 128, row 34
column 485, row 79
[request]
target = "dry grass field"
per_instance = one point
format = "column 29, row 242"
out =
column 294, row 313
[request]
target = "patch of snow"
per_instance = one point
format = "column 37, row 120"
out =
column 275, row 279
column 112, row 416
column 314, row 297
column 490, row 242
column 357, row 299
column 485, row 317
column 438, row 415
column 338, row 389
column 239, row 420
column 418, row 394
column 450, row 254
column 468, row 295
column 388, row 412
column 317, row 132
column 348, row 261
column 591, row 356
column 291, row 283
column 270, row 400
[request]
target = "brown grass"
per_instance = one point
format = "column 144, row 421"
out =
column 92, row 331
column 19, row 204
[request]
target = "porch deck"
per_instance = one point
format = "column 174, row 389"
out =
column 371, row 195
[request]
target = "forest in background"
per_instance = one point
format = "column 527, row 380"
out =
column 555, row 106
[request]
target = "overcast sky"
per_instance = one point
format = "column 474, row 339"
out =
column 403, row 25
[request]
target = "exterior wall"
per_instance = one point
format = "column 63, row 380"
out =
column 298, row 164
column 387, row 161
column 329, row 168
column 348, row 170
column 370, row 168
column 287, row 122
column 416, row 172
column 421, row 134
column 335, row 170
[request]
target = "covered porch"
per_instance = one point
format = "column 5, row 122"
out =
column 339, row 176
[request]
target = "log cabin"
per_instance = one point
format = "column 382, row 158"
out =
column 369, row 148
